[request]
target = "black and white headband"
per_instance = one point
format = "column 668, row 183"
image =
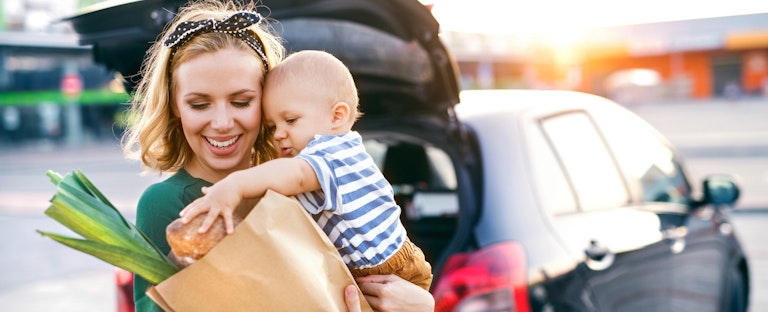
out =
column 236, row 25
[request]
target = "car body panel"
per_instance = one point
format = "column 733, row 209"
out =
column 658, row 252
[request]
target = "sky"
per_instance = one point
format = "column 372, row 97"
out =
column 551, row 16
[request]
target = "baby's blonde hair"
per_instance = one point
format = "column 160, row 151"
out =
column 328, row 77
column 156, row 136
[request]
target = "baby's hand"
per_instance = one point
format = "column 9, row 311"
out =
column 216, row 201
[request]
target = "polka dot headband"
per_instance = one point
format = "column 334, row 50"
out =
column 236, row 25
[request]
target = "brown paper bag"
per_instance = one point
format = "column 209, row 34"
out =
column 277, row 259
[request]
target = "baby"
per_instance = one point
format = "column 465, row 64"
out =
column 310, row 104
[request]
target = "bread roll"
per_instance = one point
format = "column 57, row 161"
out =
column 188, row 245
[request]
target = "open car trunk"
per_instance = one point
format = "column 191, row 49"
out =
column 392, row 47
column 407, row 84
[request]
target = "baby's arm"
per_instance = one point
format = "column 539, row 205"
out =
column 287, row 176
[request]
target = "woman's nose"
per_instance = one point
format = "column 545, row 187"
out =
column 222, row 119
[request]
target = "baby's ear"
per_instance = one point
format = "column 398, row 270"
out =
column 340, row 112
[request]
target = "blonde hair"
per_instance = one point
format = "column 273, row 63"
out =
column 321, row 71
column 156, row 137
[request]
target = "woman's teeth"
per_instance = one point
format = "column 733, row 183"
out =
column 224, row 144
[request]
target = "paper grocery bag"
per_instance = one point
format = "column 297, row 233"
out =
column 277, row 259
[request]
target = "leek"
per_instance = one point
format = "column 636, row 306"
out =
column 106, row 234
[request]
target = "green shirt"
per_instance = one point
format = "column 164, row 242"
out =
column 159, row 205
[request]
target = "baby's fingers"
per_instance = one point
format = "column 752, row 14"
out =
column 191, row 211
column 208, row 222
column 229, row 223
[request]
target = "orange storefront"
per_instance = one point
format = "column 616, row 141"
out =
column 690, row 59
column 695, row 59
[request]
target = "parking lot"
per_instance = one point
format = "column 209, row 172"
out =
column 37, row 274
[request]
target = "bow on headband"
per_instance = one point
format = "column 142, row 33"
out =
column 236, row 25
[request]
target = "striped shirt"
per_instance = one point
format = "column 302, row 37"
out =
column 355, row 206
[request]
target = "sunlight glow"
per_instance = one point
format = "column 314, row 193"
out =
column 554, row 16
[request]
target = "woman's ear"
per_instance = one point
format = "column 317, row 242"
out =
column 340, row 114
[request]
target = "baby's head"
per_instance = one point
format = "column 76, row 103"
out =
column 308, row 93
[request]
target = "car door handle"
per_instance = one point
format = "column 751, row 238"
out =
column 599, row 257
column 676, row 238
column 595, row 251
column 674, row 233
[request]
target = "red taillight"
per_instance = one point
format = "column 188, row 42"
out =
column 490, row 279
column 124, row 281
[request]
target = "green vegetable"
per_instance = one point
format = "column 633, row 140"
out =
column 106, row 234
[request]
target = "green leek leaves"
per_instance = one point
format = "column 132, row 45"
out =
column 106, row 234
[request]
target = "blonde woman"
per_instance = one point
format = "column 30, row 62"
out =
column 199, row 119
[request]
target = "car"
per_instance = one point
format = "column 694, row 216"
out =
column 522, row 200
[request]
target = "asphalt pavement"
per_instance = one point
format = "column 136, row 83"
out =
column 36, row 273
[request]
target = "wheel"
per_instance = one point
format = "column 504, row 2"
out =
column 737, row 291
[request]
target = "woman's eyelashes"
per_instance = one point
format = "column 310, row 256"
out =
column 198, row 106
column 204, row 104
column 242, row 102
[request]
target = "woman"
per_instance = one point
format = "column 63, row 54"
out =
column 198, row 110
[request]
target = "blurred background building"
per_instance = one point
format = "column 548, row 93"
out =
column 52, row 91
column 687, row 59
column 50, row 88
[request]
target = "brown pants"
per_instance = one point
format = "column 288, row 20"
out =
column 408, row 263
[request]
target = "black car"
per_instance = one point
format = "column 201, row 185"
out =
column 522, row 200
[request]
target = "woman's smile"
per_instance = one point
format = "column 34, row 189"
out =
column 223, row 145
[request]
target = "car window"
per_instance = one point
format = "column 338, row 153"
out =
column 586, row 160
column 553, row 191
column 377, row 150
column 422, row 177
column 648, row 163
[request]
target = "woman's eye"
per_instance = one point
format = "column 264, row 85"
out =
column 241, row 103
column 198, row 106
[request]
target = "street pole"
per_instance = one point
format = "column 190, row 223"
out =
column 72, row 86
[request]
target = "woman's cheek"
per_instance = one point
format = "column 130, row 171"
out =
column 252, row 118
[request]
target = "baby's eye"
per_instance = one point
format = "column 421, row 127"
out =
column 291, row 121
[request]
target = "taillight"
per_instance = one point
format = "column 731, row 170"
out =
column 124, row 281
column 490, row 279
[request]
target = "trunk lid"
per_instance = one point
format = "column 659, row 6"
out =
column 392, row 47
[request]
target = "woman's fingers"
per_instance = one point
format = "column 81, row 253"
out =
column 381, row 279
column 351, row 299
column 392, row 293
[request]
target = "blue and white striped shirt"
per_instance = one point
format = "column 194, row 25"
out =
column 355, row 207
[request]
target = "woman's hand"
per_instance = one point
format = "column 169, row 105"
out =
column 351, row 298
column 389, row 293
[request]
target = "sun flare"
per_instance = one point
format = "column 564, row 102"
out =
column 555, row 17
